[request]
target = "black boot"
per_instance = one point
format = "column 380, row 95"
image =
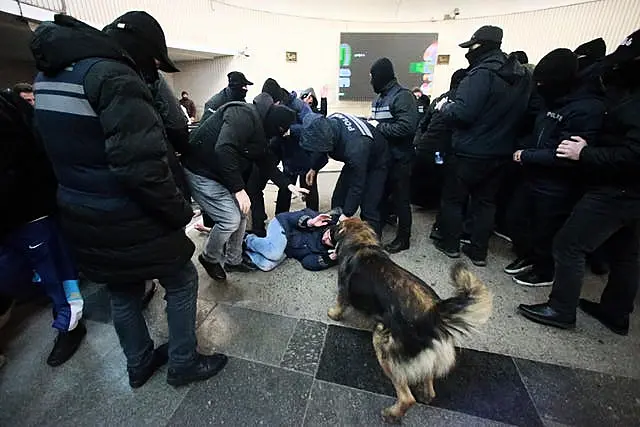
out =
column 547, row 315
column 399, row 244
column 203, row 367
column 213, row 269
column 617, row 324
column 66, row 345
column 139, row 376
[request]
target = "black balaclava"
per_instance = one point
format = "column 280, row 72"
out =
column 237, row 84
column 381, row 74
column 590, row 52
column 555, row 74
column 278, row 119
column 139, row 51
column 272, row 87
column 625, row 75
column 475, row 54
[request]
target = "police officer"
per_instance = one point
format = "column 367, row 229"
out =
column 394, row 112
column 365, row 155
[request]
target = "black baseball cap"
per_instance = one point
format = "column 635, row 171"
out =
column 237, row 79
column 486, row 33
column 628, row 50
column 149, row 30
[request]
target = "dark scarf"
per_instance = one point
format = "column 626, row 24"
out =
column 476, row 55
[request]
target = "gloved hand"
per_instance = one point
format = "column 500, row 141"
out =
column 441, row 103
column 373, row 123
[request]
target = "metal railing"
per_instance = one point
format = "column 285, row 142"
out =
column 58, row 6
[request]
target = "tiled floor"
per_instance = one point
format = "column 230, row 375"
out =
column 289, row 365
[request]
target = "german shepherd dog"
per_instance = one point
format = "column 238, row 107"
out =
column 416, row 331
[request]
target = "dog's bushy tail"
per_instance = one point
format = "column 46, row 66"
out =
column 470, row 308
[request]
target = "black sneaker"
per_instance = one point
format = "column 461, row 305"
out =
column 465, row 239
column 502, row 235
column 617, row 324
column 475, row 260
column 520, row 265
column 245, row 266
column 213, row 269
column 203, row 367
column 399, row 244
column 435, row 234
column 66, row 345
column 139, row 376
column 533, row 278
column 451, row 253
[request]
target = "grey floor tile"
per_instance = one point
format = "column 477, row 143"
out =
column 484, row 385
column 246, row 333
column 305, row 347
column 335, row 405
column 156, row 315
column 246, row 394
column 579, row 397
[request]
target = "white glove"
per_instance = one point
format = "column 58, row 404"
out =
column 441, row 103
column 297, row 191
column 373, row 123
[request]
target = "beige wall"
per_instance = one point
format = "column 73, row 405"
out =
column 211, row 24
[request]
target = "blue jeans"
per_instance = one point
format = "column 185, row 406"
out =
column 268, row 252
column 126, row 310
column 230, row 223
column 39, row 247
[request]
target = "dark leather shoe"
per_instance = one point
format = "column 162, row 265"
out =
column 451, row 253
column 475, row 259
column 399, row 244
column 213, row 269
column 66, row 345
column 203, row 367
column 547, row 315
column 139, row 376
column 617, row 324
column 245, row 266
column 435, row 233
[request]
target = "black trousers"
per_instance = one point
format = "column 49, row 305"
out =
column 519, row 221
column 397, row 195
column 312, row 200
column 255, row 190
column 371, row 197
column 609, row 217
column 479, row 181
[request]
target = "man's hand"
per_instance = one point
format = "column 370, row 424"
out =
column 441, row 103
column 571, row 148
column 299, row 192
column 243, row 200
column 324, row 91
column 517, row 156
column 373, row 123
column 333, row 255
column 311, row 177
column 319, row 221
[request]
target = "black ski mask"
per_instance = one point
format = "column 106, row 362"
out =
column 625, row 76
column 474, row 55
column 555, row 74
column 381, row 74
column 138, row 50
column 278, row 119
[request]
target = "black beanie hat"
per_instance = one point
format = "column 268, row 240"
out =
column 272, row 87
column 457, row 77
column 521, row 56
column 557, row 67
column 590, row 52
column 381, row 74
column 278, row 119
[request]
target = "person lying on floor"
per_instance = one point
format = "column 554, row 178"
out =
column 304, row 235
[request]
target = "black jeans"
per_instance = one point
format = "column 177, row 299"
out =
column 601, row 216
column 371, row 196
column 550, row 212
column 283, row 201
column 478, row 179
column 519, row 221
column 397, row 194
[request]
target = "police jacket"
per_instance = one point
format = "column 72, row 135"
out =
column 395, row 110
column 488, row 107
column 119, row 205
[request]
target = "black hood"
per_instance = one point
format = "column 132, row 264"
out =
column 263, row 102
column 56, row 45
column 507, row 67
column 317, row 134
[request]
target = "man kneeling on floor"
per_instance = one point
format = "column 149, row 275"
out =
column 304, row 235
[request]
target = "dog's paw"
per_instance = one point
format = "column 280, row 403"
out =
column 389, row 417
column 335, row 313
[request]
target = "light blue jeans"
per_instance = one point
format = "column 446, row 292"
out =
column 268, row 252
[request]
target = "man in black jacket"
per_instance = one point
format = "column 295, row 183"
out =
column 485, row 115
column 235, row 91
column 395, row 115
column 119, row 204
column 224, row 149
column 554, row 185
column 610, row 209
column 364, row 152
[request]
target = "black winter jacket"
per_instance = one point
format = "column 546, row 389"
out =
column 121, row 211
column 27, row 183
column 488, row 107
column 578, row 114
column 395, row 110
column 435, row 133
column 612, row 161
column 226, row 145
column 217, row 101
